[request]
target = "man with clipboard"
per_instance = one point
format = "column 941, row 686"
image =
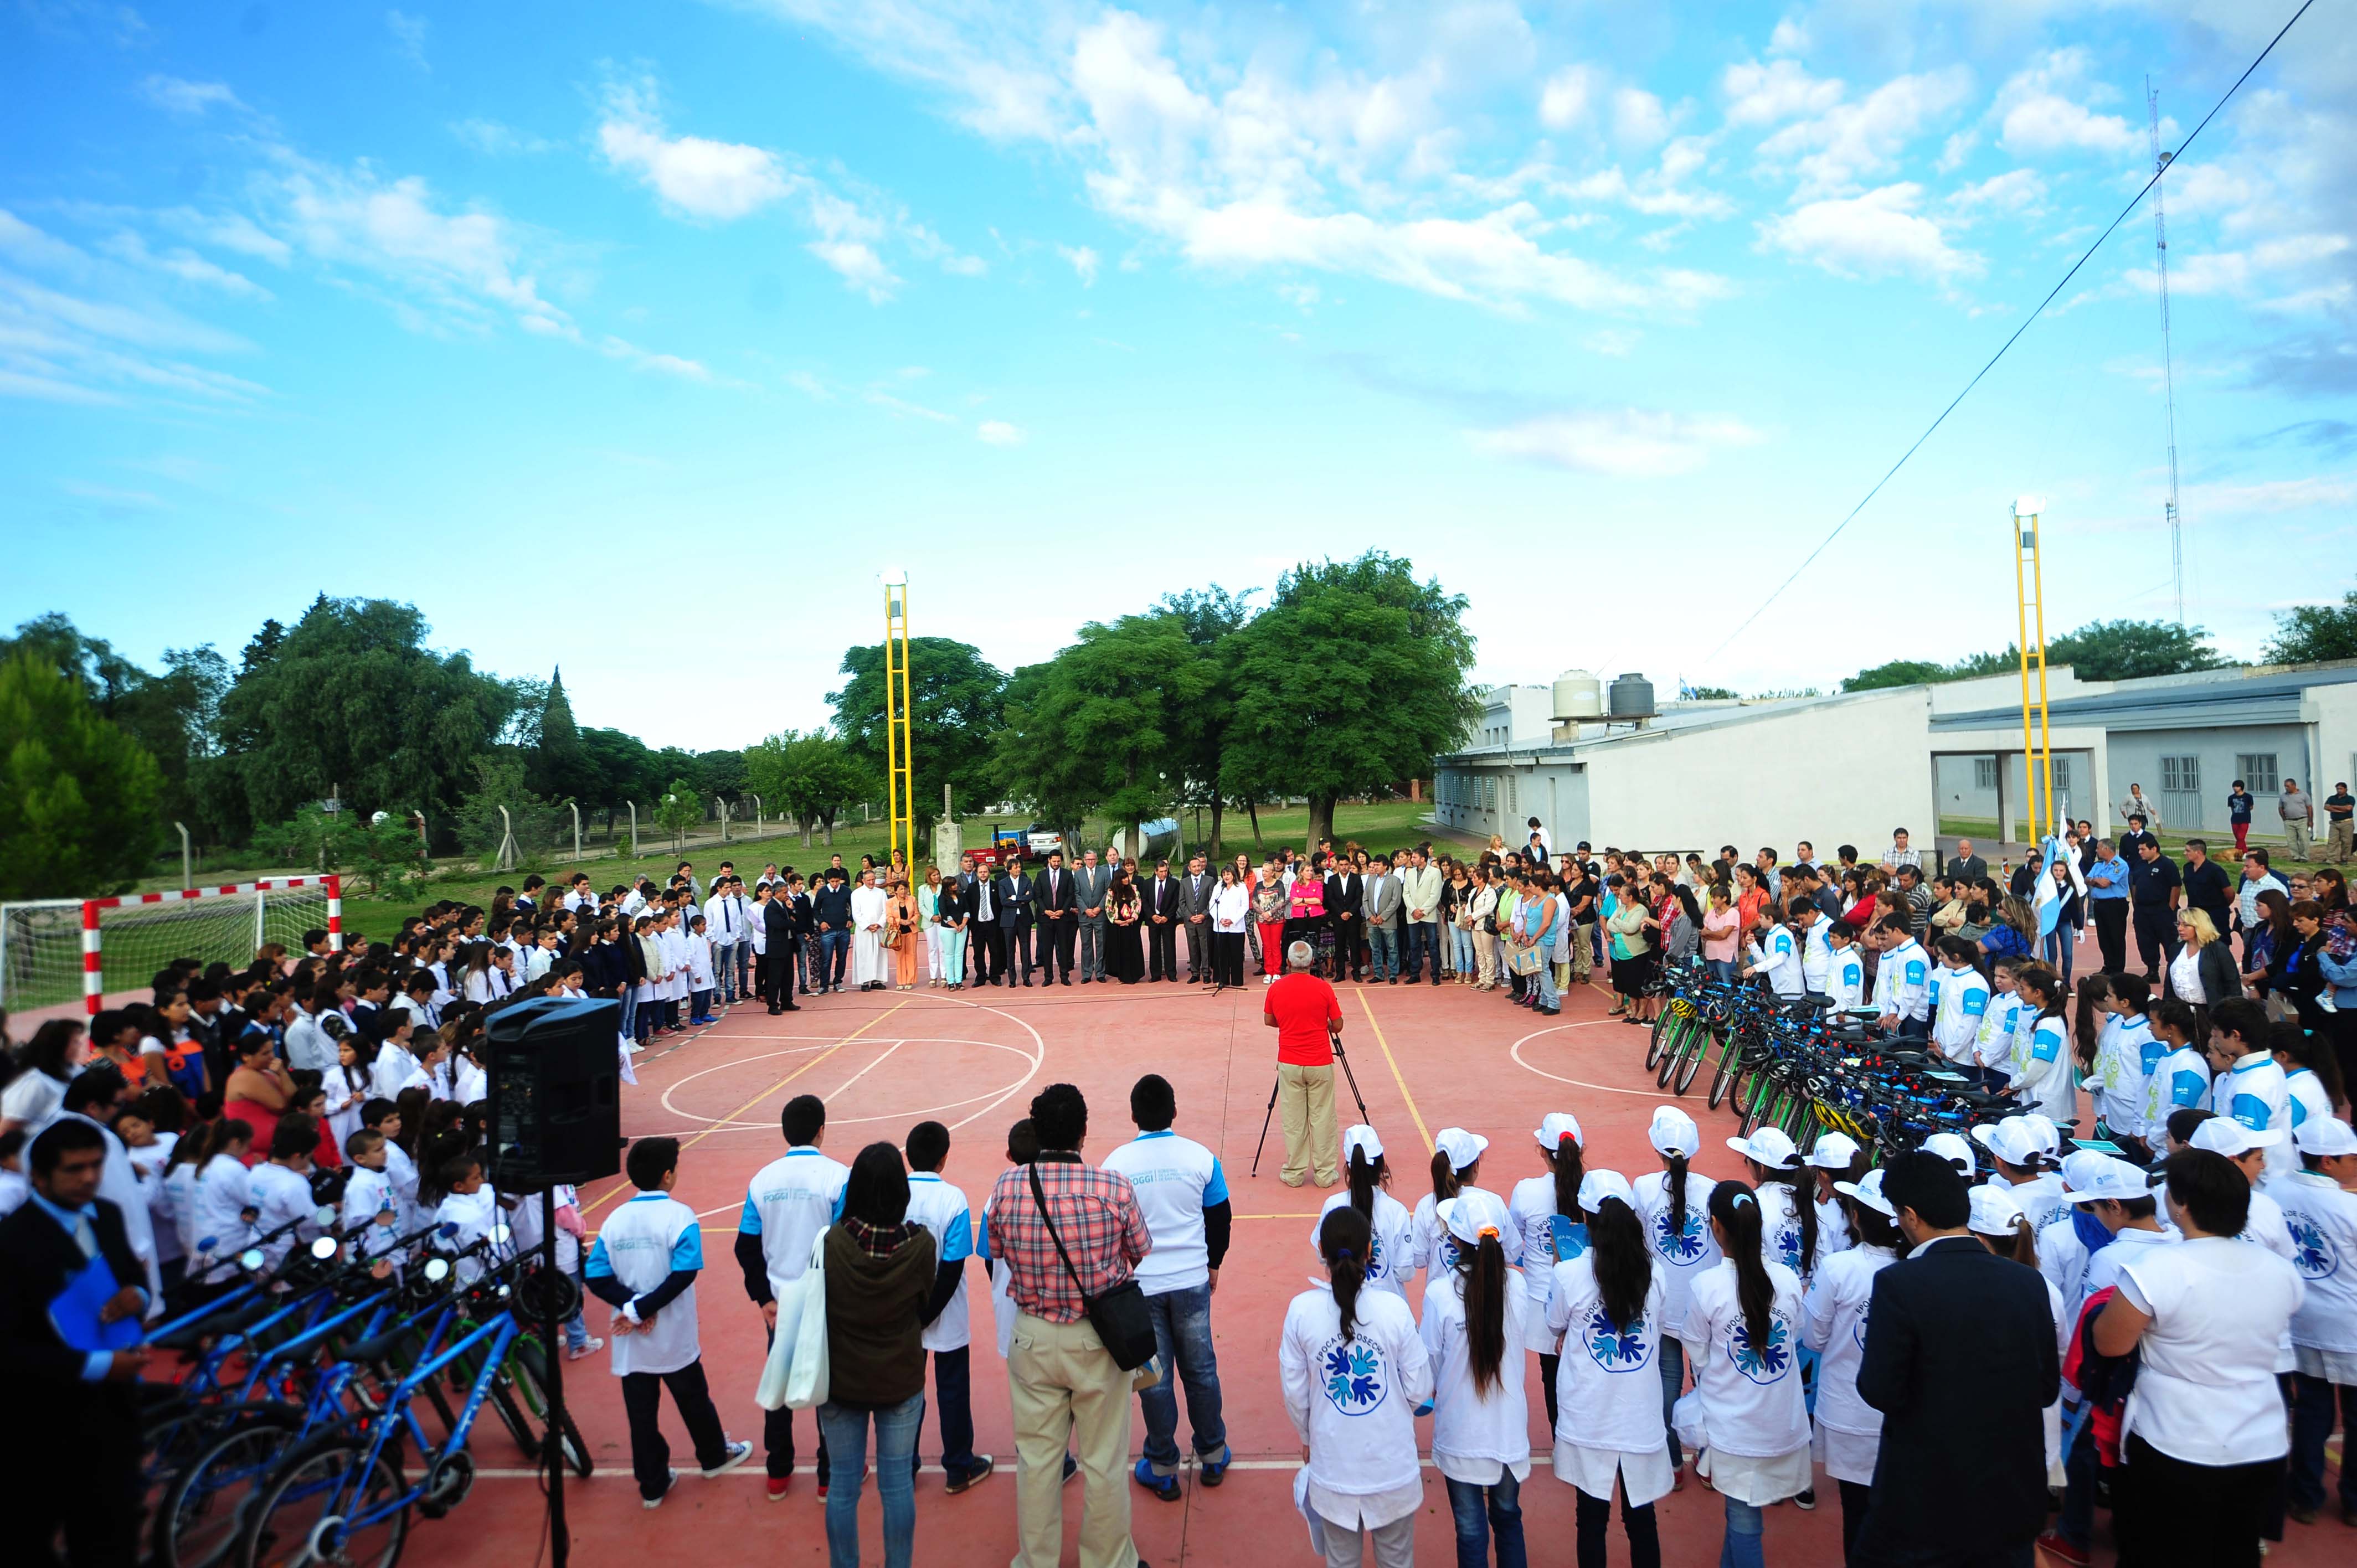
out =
column 71, row 1296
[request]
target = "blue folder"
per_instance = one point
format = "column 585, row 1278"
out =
column 74, row 1313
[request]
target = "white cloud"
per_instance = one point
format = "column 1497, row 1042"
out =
column 229, row 231
column 1303, row 295
column 169, row 93
column 1767, row 95
column 913, row 410
column 2271, row 496
column 1834, row 151
column 998, row 433
column 2036, row 116
column 1564, row 101
column 409, row 36
column 113, row 495
column 809, row 385
column 182, row 264
column 1625, row 443
column 493, row 139
column 1638, row 117
column 1871, row 235
column 1085, row 263
column 2016, row 191
column 694, row 176
column 35, row 247
column 1789, row 39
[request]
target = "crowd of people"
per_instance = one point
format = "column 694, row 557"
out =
column 2184, row 1335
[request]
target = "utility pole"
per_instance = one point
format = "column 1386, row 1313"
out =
column 2160, row 162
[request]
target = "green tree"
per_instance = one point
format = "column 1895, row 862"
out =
column 619, row 767
column 502, row 779
column 1348, row 684
column 809, row 778
column 2311, row 634
column 678, row 811
column 78, row 795
column 351, row 697
column 2131, row 650
column 1200, row 722
column 560, row 764
column 1096, row 726
column 957, row 700
column 1897, row 673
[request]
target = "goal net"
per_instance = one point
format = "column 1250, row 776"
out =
column 56, row 951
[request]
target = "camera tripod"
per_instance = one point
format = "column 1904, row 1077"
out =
column 1266, row 1116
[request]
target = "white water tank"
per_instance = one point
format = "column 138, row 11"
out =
column 1577, row 695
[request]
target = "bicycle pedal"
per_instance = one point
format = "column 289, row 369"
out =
column 447, row 1485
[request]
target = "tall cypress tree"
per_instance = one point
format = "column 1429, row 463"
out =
column 559, row 766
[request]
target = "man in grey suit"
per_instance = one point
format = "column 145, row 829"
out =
column 1092, row 880
column 1195, row 913
column 1382, row 907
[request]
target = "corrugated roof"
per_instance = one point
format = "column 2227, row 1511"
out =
column 2173, row 702
column 1671, row 720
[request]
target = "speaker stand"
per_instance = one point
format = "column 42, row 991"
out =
column 552, row 1336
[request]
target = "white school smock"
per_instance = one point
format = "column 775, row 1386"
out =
column 1175, row 1179
column 1543, row 1234
column 1434, row 1251
column 470, row 1216
column 280, row 1196
column 1845, row 977
column 2206, row 1391
column 1354, row 1401
column 787, row 1204
column 2103, row 1268
column 222, row 1202
column 2062, row 1259
column 2254, row 1092
column 1003, row 1310
column 1964, row 999
column 640, row 1244
column 1750, row 1392
column 1476, row 1437
column 1850, row 1430
column 1393, row 1264
column 699, row 963
column 371, row 1212
column 394, row 1070
column 1609, row 1387
column 2305, row 1097
column 1780, row 1234
column 2041, row 1199
column 1685, row 1250
column 1816, row 956
column 2322, row 1219
column 1779, row 958
column 2178, row 1080
column 941, row 1210
column 1903, row 980
column 2041, row 1065
column 180, row 1190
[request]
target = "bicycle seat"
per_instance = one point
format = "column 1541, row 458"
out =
column 378, row 1347
column 218, row 1324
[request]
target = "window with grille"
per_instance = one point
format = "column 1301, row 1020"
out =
column 2257, row 770
column 2061, row 772
column 1983, row 772
column 1510, row 792
column 2181, row 775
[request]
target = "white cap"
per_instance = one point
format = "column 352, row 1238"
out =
column 2224, row 1135
column 1472, row 1212
column 1360, row 1136
column 1955, row 1150
column 1994, row 1212
column 1869, row 1192
column 2080, row 1166
column 2324, row 1136
column 1595, row 1187
column 1835, row 1151
column 1768, row 1147
column 1461, row 1147
column 2114, row 1179
column 2050, row 1131
column 2014, row 1139
column 1551, row 1128
column 1673, row 1132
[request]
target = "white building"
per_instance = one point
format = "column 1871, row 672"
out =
column 1514, row 715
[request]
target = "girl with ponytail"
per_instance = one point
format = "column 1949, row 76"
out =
column 1606, row 1310
column 1836, row 1158
column 1546, row 1211
column 1787, row 1194
column 1475, row 1328
column 1850, row 1430
column 1673, row 1202
column 1455, row 1169
column 1742, row 1340
column 1354, row 1373
column 1391, row 1252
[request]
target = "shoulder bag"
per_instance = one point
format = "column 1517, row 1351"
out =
column 1120, row 1316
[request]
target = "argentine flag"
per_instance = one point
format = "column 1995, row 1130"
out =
column 2048, row 893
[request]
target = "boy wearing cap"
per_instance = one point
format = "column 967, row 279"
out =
column 2320, row 1204
column 2020, row 1158
column 2248, row 1151
column 2119, row 1198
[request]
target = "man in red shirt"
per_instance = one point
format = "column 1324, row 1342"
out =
column 1307, row 1018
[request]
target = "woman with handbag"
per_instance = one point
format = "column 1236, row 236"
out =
column 880, row 1279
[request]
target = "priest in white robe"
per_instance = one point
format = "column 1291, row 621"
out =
column 869, row 910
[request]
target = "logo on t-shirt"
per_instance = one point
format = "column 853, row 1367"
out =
column 1678, row 1238
column 1766, row 1362
column 1618, row 1347
column 1353, row 1370
column 2311, row 1252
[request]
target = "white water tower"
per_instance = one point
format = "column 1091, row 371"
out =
column 1578, row 694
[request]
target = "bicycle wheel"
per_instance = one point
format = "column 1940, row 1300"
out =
column 207, row 1505
column 530, row 1366
column 300, row 1521
column 1658, row 1042
column 1667, row 1061
column 1724, row 1078
column 1691, row 1050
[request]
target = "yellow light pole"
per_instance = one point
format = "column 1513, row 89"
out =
column 2029, row 604
column 900, row 794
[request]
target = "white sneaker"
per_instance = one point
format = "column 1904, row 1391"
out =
column 587, row 1348
column 737, row 1454
column 636, row 1048
column 657, row 1500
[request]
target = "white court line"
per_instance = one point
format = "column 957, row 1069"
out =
column 1516, row 1052
column 755, row 1472
column 714, row 1124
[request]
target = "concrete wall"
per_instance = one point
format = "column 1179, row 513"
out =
column 1485, row 797
column 2136, row 759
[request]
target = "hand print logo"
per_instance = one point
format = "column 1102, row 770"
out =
column 1353, row 1382
column 1860, row 1330
column 1374, row 1257
column 1788, row 1247
column 1619, row 1348
column 1447, row 1253
column 1763, row 1363
column 2312, row 1253
column 1679, row 1237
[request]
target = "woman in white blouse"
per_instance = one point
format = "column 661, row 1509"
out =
column 1231, row 914
column 1743, row 1335
column 1850, row 1430
column 1607, row 1310
column 1674, row 1204
column 1474, row 1330
column 1354, row 1370
column 2202, row 1437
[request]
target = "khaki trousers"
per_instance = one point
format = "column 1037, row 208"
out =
column 2343, row 844
column 1485, row 949
column 1066, row 1390
column 1305, row 1103
column 1583, row 950
column 2296, row 834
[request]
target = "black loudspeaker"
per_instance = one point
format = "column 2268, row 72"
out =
column 555, row 1093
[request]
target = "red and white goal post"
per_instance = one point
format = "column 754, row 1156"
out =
column 94, row 911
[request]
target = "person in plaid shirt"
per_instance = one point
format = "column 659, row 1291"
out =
column 1065, row 1384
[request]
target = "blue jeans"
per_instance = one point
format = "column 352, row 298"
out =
column 1479, row 1510
column 1544, row 977
column 1673, row 1383
column 2076, row 1522
column 630, row 1011
column 835, row 951
column 744, row 980
column 1182, row 1339
column 1721, row 969
column 1418, row 948
column 846, row 1431
column 1915, row 1028
column 1462, row 941
column 1743, row 1548
column 1383, row 946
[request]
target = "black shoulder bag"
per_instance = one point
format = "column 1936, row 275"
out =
column 1119, row 1315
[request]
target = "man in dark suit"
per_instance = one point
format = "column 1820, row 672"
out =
column 1094, row 881
column 1960, row 1360
column 69, row 1452
column 1056, row 903
column 985, row 944
column 1160, row 907
column 1345, row 902
column 1195, row 891
column 780, row 936
column 1012, row 894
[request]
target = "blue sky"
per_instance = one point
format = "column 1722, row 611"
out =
column 637, row 338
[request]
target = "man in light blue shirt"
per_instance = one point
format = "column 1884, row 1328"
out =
column 2107, row 892
column 1183, row 1195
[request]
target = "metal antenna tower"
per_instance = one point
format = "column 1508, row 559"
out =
column 2160, row 161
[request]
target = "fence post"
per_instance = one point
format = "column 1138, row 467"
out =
column 724, row 819
column 757, row 815
column 506, row 859
column 634, row 829
column 188, row 862
column 335, row 912
column 577, row 828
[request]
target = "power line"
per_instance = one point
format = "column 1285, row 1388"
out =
column 2029, row 321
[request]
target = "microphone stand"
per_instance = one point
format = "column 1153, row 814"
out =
column 1348, row 1077
column 560, row 1536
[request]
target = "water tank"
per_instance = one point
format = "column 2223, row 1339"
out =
column 1577, row 695
column 1632, row 697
